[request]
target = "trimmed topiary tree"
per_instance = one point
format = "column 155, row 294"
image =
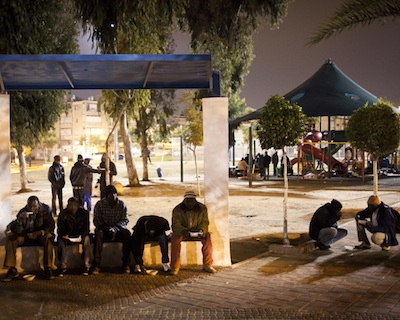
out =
column 281, row 124
column 375, row 129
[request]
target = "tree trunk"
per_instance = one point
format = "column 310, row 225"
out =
column 145, row 161
column 129, row 161
column 197, row 171
column 375, row 171
column 22, row 169
column 285, row 198
column 143, row 146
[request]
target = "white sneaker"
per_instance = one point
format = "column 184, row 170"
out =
column 137, row 269
column 166, row 266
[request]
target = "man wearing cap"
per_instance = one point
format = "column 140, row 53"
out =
column 111, row 222
column 190, row 219
column 378, row 219
column 323, row 225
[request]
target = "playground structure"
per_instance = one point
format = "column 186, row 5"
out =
column 311, row 157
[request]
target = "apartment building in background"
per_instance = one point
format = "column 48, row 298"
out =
column 83, row 129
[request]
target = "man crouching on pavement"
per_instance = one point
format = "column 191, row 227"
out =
column 379, row 220
column 190, row 219
column 323, row 225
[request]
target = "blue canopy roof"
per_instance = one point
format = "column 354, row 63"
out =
column 105, row 71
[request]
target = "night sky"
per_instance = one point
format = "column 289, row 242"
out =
column 368, row 55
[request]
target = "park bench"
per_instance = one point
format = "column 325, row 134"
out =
column 30, row 257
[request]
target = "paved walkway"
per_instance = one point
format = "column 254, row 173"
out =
column 338, row 284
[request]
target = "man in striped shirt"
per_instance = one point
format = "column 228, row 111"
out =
column 111, row 222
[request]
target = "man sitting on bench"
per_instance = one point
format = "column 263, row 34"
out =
column 35, row 226
column 190, row 220
column 111, row 221
column 150, row 228
column 73, row 227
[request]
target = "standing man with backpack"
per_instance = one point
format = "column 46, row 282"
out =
column 378, row 219
column 56, row 177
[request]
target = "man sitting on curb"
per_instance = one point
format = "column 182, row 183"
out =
column 190, row 218
column 150, row 228
column 73, row 226
column 378, row 219
column 111, row 222
column 34, row 225
column 323, row 225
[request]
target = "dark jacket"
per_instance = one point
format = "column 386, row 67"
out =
column 88, row 180
column 324, row 217
column 147, row 223
column 43, row 220
column 113, row 172
column 78, row 173
column 386, row 222
column 73, row 225
column 56, row 175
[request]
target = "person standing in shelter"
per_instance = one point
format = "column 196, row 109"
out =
column 113, row 172
column 56, row 177
column 72, row 227
column 150, row 228
column 88, row 186
column 78, row 176
column 378, row 219
column 323, row 225
column 34, row 225
column 111, row 222
column 190, row 219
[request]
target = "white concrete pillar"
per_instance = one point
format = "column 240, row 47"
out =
column 5, row 173
column 216, row 175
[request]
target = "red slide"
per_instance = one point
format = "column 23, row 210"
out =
column 321, row 155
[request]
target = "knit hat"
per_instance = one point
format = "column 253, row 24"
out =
column 336, row 205
column 110, row 189
column 374, row 200
column 189, row 195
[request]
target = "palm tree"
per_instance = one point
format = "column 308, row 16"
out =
column 353, row 13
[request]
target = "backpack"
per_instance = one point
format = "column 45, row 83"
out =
column 396, row 216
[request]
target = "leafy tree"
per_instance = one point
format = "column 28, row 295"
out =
column 225, row 29
column 153, row 115
column 353, row 13
column 35, row 27
column 131, row 27
column 376, row 130
column 281, row 124
column 46, row 142
column 193, row 130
